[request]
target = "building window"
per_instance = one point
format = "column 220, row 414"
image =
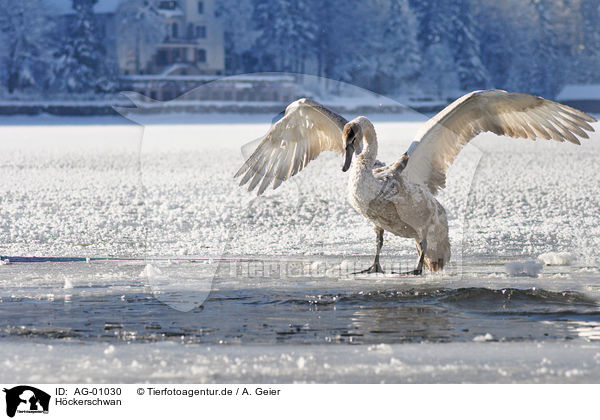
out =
column 201, row 56
column 168, row 5
column 200, row 31
column 200, row 7
column 176, row 54
column 175, row 30
column 162, row 58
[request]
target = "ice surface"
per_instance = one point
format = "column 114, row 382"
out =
column 244, row 289
column 125, row 191
column 476, row 362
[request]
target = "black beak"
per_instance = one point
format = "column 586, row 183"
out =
column 348, row 156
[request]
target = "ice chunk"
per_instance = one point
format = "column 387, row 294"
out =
column 557, row 258
column 381, row 348
column 527, row 268
column 485, row 337
column 150, row 271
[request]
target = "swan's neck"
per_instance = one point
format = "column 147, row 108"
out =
column 369, row 152
column 362, row 185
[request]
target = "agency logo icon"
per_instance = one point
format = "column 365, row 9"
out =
column 26, row 399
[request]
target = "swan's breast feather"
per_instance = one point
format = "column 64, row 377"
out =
column 384, row 213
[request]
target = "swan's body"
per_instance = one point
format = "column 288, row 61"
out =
column 400, row 198
column 385, row 197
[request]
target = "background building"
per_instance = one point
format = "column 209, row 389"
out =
column 193, row 42
column 417, row 51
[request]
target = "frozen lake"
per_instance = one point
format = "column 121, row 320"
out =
column 135, row 257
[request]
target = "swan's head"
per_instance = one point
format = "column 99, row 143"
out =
column 352, row 137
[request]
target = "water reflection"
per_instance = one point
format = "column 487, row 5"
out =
column 588, row 330
column 307, row 316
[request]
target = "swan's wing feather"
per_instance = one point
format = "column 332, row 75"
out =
column 306, row 130
column 497, row 111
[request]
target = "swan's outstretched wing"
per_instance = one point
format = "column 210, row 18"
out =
column 500, row 112
column 306, row 130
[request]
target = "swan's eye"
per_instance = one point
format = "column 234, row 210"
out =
column 350, row 133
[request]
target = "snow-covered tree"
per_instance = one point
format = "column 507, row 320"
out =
column 140, row 27
column 379, row 48
column 356, row 31
column 240, row 34
column 539, row 48
column 325, row 16
column 24, row 47
column 288, row 30
column 545, row 55
column 537, row 45
column 587, row 45
column 439, row 76
column 497, row 37
column 81, row 64
column 452, row 23
column 467, row 54
column 397, row 51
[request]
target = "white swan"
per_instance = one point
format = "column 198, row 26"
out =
column 400, row 198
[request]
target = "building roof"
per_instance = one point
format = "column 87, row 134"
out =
column 579, row 92
column 64, row 7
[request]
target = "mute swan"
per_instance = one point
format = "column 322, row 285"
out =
column 400, row 198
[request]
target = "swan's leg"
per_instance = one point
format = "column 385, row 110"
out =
column 379, row 233
column 419, row 270
column 376, row 267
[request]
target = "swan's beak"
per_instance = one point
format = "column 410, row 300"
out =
column 348, row 157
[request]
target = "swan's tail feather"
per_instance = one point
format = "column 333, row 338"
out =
column 433, row 262
column 437, row 251
column 436, row 259
column 434, row 266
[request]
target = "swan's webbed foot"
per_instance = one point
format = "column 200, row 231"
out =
column 422, row 247
column 375, row 268
column 415, row 272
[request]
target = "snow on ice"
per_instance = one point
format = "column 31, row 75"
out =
column 114, row 204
